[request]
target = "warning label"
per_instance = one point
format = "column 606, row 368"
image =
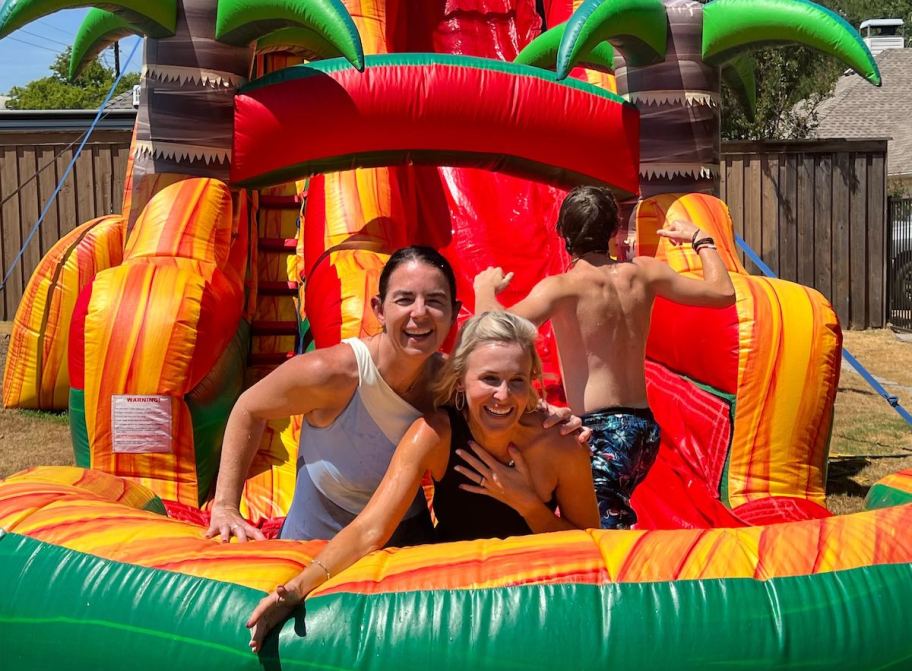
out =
column 141, row 424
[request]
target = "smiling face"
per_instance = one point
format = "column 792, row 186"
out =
column 417, row 312
column 497, row 385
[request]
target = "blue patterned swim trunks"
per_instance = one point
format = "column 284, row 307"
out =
column 623, row 447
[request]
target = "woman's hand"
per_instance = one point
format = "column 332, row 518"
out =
column 273, row 609
column 227, row 522
column 509, row 484
column 569, row 423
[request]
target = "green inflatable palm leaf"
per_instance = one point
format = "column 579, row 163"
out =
column 637, row 28
column 740, row 74
column 99, row 30
column 542, row 52
column 240, row 22
column 733, row 26
column 155, row 18
column 308, row 43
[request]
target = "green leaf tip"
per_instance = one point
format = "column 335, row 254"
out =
column 733, row 26
column 241, row 22
column 636, row 28
column 99, row 30
column 542, row 52
column 155, row 18
column 302, row 41
column 740, row 75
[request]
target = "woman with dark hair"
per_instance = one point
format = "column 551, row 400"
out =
column 498, row 472
column 358, row 398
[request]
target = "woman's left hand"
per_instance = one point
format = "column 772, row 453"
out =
column 272, row 610
column 511, row 485
column 569, row 423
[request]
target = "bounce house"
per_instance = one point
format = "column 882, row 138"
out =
column 283, row 149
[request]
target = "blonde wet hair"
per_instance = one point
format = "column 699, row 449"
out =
column 488, row 327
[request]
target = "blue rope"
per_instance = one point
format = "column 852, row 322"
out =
column 852, row 361
column 66, row 174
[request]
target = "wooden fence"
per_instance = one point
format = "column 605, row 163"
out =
column 31, row 164
column 815, row 212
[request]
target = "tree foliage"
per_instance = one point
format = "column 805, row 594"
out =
column 791, row 84
column 792, row 81
column 56, row 92
column 856, row 11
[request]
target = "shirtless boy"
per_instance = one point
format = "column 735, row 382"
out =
column 600, row 311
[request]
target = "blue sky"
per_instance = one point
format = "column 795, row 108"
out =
column 28, row 53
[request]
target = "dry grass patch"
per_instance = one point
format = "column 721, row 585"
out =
column 869, row 439
column 30, row 438
column 850, row 478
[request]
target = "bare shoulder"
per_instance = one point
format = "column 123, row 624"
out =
column 317, row 379
column 327, row 366
column 557, row 446
column 552, row 286
column 323, row 380
column 437, row 422
column 651, row 269
column 646, row 263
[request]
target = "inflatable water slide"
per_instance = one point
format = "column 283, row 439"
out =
column 283, row 149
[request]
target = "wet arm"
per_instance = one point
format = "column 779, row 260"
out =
column 424, row 447
column 537, row 307
column 421, row 449
column 715, row 290
column 294, row 388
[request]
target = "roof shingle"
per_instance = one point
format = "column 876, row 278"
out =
column 858, row 109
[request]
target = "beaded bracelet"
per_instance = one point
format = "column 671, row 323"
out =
column 322, row 566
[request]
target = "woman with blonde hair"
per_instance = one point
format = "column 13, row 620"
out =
column 498, row 472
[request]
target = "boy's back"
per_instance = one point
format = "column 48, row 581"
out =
column 601, row 322
column 600, row 311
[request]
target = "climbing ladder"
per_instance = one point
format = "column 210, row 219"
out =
column 278, row 327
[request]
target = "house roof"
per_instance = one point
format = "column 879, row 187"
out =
column 859, row 110
column 63, row 121
column 124, row 101
column 874, row 23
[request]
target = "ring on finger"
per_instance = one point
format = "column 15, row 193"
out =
column 481, row 483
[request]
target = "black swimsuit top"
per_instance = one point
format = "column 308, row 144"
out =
column 464, row 515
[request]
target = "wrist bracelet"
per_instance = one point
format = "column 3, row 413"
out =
column 704, row 242
column 322, row 566
column 693, row 239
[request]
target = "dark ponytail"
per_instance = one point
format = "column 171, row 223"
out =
column 420, row 254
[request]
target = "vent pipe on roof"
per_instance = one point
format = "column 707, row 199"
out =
column 883, row 34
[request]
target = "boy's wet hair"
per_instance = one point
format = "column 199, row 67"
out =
column 588, row 220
